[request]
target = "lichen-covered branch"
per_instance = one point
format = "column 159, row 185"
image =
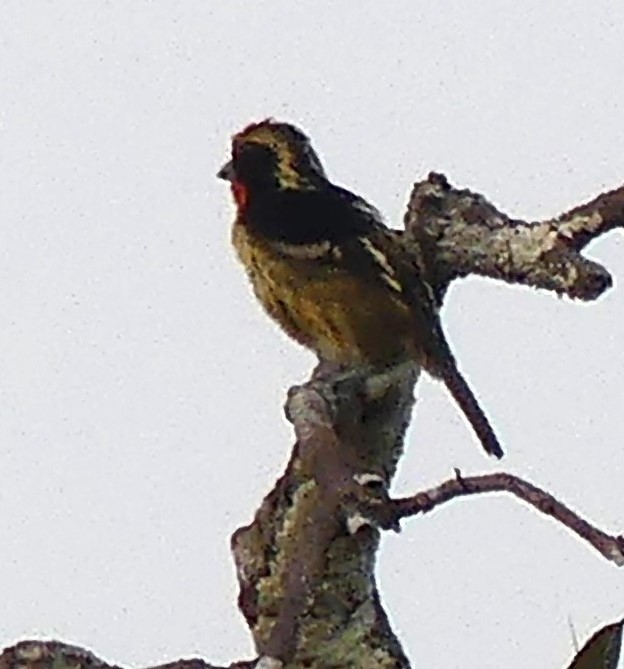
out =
column 459, row 233
column 306, row 562
column 58, row 655
column 309, row 593
column 307, row 578
column 611, row 547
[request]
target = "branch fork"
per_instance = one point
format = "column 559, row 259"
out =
column 306, row 562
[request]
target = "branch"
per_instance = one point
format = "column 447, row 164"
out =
column 305, row 571
column 611, row 547
column 306, row 563
column 58, row 655
column 461, row 233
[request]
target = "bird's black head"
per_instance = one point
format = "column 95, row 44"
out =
column 272, row 156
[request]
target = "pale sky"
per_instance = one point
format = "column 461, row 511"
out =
column 141, row 387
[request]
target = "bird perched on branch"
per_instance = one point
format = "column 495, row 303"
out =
column 327, row 269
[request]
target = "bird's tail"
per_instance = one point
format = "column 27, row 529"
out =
column 465, row 398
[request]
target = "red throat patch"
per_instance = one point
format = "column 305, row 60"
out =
column 241, row 195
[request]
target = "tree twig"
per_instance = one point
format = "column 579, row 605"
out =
column 611, row 547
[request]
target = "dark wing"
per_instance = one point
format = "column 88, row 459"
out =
column 336, row 226
column 339, row 229
column 380, row 251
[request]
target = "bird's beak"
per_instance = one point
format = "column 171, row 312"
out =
column 226, row 172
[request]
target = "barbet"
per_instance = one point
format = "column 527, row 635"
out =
column 326, row 268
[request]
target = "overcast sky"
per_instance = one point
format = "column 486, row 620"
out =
column 141, row 386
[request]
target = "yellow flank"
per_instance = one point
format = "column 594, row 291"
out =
column 324, row 307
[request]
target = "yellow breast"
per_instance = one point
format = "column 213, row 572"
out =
column 324, row 307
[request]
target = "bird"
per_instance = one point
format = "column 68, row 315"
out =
column 326, row 267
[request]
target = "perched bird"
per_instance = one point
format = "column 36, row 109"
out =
column 327, row 269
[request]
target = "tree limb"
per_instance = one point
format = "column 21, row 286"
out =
column 319, row 580
column 58, row 655
column 611, row 547
column 306, row 562
column 461, row 233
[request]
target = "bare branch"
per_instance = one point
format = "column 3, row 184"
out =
column 611, row 547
